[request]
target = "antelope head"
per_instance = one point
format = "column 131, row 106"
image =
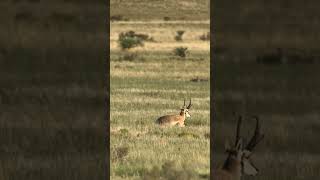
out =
column 185, row 110
column 239, row 155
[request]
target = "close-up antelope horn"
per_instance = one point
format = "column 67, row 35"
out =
column 189, row 106
column 257, row 136
column 238, row 129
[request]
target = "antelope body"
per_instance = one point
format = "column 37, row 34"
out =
column 178, row 119
column 238, row 161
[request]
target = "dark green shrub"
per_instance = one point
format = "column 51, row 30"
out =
column 181, row 51
column 166, row 18
column 129, row 42
column 130, row 39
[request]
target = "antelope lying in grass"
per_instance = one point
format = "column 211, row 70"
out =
column 172, row 120
column 238, row 160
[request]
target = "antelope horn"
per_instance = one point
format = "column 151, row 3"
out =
column 257, row 136
column 238, row 129
column 189, row 105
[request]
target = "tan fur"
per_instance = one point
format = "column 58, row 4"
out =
column 178, row 119
column 171, row 120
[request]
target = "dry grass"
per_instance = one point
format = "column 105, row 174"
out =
column 163, row 33
column 142, row 90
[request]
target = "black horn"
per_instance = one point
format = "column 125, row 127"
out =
column 257, row 136
column 189, row 106
column 238, row 129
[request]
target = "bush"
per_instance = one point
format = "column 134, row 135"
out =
column 181, row 51
column 179, row 35
column 166, row 18
column 205, row 37
column 127, row 41
column 131, row 39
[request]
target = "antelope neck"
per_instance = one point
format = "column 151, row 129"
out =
column 182, row 113
column 233, row 166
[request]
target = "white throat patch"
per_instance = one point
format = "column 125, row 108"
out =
column 187, row 114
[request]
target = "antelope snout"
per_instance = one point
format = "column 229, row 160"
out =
column 187, row 114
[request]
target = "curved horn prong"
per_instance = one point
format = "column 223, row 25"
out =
column 238, row 129
column 189, row 106
column 257, row 136
column 184, row 103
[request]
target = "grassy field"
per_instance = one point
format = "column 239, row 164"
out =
column 142, row 10
column 155, row 84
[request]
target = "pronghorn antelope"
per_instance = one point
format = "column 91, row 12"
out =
column 172, row 120
column 238, row 161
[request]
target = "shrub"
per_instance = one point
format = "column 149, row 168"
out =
column 127, row 42
column 181, row 51
column 131, row 39
column 179, row 35
column 166, row 18
column 205, row 37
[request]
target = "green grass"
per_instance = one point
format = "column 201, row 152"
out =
column 154, row 83
column 136, row 102
column 149, row 86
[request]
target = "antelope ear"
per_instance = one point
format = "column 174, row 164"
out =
column 227, row 145
column 249, row 168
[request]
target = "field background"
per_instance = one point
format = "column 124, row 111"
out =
column 52, row 89
column 154, row 84
column 284, row 96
